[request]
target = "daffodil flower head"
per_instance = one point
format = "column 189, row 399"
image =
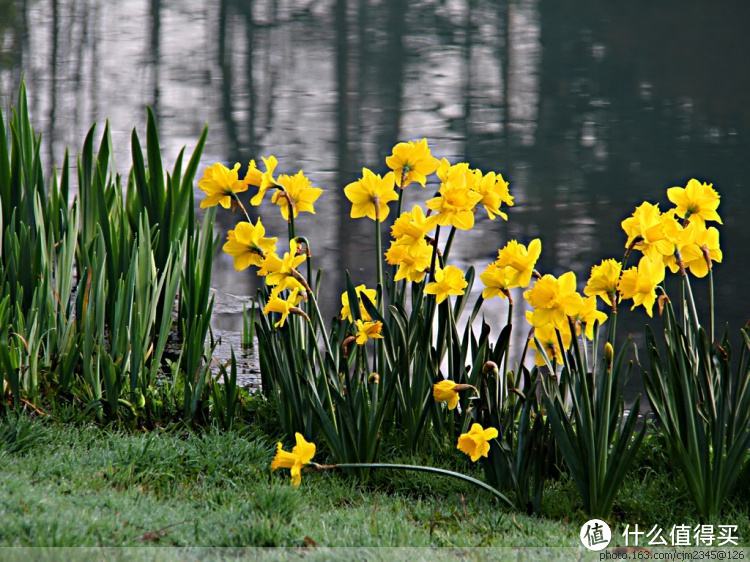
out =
column 603, row 280
column 639, row 283
column 459, row 175
column 547, row 336
column 346, row 312
column 553, row 300
column 248, row 245
column 520, row 260
column 301, row 455
column 495, row 192
column 411, row 162
column 445, row 391
column 220, row 184
column 698, row 249
column 371, row 194
column 283, row 306
column 448, row 281
column 282, row 272
column 696, row 202
column 412, row 258
column 368, row 330
column 262, row 180
column 296, row 192
column 456, row 198
column 476, row 442
column 412, row 226
column 497, row 281
column 589, row 316
column 646, row 233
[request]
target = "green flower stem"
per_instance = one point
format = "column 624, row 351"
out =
column 308, row 255
column 711, row 301
column 239, row 202
column 379, row 350
column 310, row 293
column 290, row 223
column 434, row 253
column 417, row 468
column 400, row 196
column 506, row 355
column 691, row 302
column 322, row 366
column 379, row 261
column 612, row 328
column 394, row 268
column 448, row 244
column 323, row 330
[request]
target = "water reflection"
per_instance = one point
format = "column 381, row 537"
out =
column 588, row 108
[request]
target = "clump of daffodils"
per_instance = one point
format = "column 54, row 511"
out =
column 560, row 311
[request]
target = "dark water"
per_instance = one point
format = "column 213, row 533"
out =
column 587, row 107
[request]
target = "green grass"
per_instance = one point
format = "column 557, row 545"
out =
column 74, row 485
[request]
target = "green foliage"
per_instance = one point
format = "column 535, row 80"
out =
column 525, row 454
column 596, row 439
column 88, row 287
column 700, row 395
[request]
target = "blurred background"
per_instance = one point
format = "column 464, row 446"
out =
column 587, row 107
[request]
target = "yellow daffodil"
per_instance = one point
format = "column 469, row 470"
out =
column 513, row 267
column 553, row 300
column 497, row 281
column 280, row 272
column 413, row 259
column 367, row 330
column 603, row 280
column 346, row 312
column 301, row 454
column 283, row 306
column 520, row 261
column 547, row 336
column 261, row 180
column 588, row 315
column 458, row 175
column 646, row 227
column 455, row 206
column 411, row 162
column 476, row 442
column 370, row 195
column 248, row 245
column 220, row 184
column 494, row 191
column 297, row 191
column 411, row 227
column 448, row 281
column 446, row 391
column 696, row 202
column 698, row 249
column 639, row 283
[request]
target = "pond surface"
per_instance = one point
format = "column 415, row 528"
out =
column 588, row 108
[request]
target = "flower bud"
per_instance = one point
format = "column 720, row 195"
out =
column 661, row 302
column 510, row 380
column 609, row 354
column 490, row 367
column 140, row 400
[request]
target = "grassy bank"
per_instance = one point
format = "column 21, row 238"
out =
column 73, row 485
